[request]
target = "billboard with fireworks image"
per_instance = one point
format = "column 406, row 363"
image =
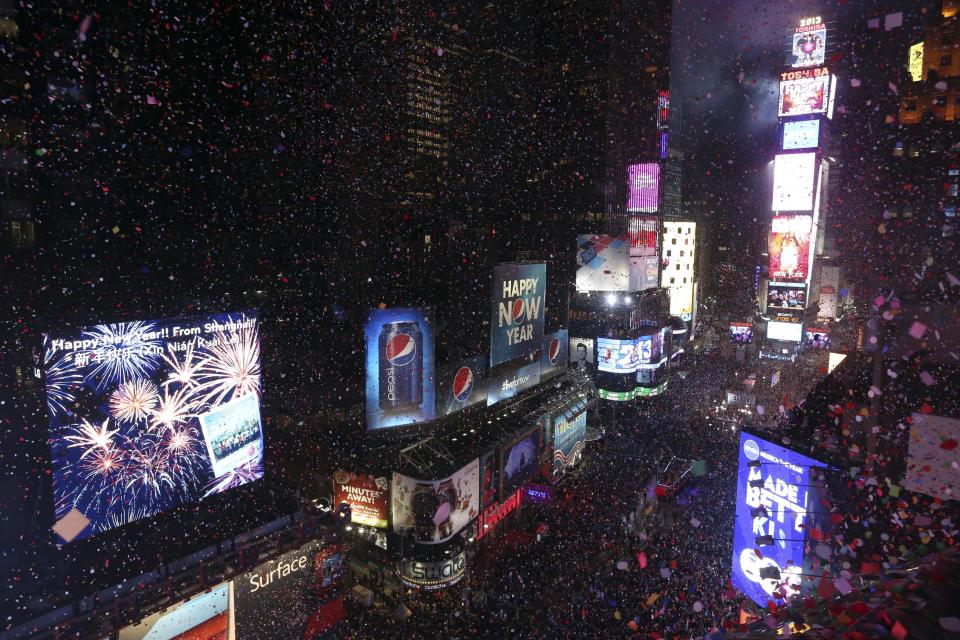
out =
column 146, row 416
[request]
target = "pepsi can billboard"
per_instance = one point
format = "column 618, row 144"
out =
column 553, row 358
column 516, row 314
column 461, row 384
column 773, row 496
column 399, row 368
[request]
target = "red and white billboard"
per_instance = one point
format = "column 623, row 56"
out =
column 367, row 495
column 790, row 248
column 643, row 232
column 804, row 92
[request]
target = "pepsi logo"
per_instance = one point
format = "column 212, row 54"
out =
column 463, row 384
column 553, row 351
column 400, row 349
column 517, row 310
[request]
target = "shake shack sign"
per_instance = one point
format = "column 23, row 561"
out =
column 435, row 575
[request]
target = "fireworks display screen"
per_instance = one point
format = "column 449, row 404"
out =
column 146, row 416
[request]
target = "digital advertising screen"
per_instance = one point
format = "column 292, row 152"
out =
column 794, row 179
column 816, row 338
column 399, row 368
column 516, row 313
column 809, row 47
column 790, row 248
column 785, row 296
column 553, row 358
column 520, row 461
column 435, row 510
column 644, row 273
column 367, row 495
column 785, row 331
column 204, row 616
column 616, row 356
column 279, row 598
column 644, row 183
column 643, row 233
column 149, row 415
column 804, row 95
column 569, row 437
column 603, row 263
column 581, row 352
column 506, row 382
column 461, row 384
column 915, row 62
column 785, row 494
column 741, row 332
column 801, row 134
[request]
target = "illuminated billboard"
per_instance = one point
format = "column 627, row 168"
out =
column 367, row 495
column 794, row 179
column 204, row 616
column 553, row 357
column 644, row 273
column 644, row 183
column 461, row 384
column 581, row 352
column 643, row 234
column 786, row 296
column 784, row 493
column 146, row 416
column 801, row 134
column 279, row 598
column 785, row 331
column 915, row 62
column 616, row 356
column 435, row 510
column 603, row 263
column 569, row 437
column 816, row 337
column 741, row 332
column 520, row 461
column 516, row 311
column 790, row 248
column 804, row 92
column 507, row 381
column 809, row 47
column 400, row 372
column 679, row 246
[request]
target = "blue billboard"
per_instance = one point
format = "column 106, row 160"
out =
column 553, row 358
column 399, row 368
column 149, row 415
column 516, row 312
column 461, row 384
column 616, row 356
column 774, row 506
column 568, row 441
column 507, row 382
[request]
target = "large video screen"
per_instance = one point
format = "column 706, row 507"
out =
column 785, row 331
column 616, row 356
column 790, row 248
column 516, row 313
column 569, row 437
column 644, row 183
column 794, row 178
column 400, row 383
column 804, row 95
column 435, row 510
column 603, row 263
column 204, row 616
column 816, row 338
column 519, row 462
column 810, row 47
column 581, row 352
column 801, row 134
column 741, row 332
column 367, row 495
column 643, row 234
column 781, row 296
column 785, row 495
column 149, row 415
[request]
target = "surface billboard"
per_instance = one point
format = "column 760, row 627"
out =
column 367, row 495
column 784, row 492
column 554, row 356
column 569, row 437
column 644, row 183
column 794, row 178
column 804, row 95
column 603, row 263
column 520, row 461
column 146, row 416
column 399, row 368
column 279, row 598
column 204, row 616
column 616, row 356
column 516, row 314
column 461, row 384
column 436, row 510
column 790, row 248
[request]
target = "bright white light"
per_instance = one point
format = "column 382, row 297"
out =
column 611, row 300
column 627, row 300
